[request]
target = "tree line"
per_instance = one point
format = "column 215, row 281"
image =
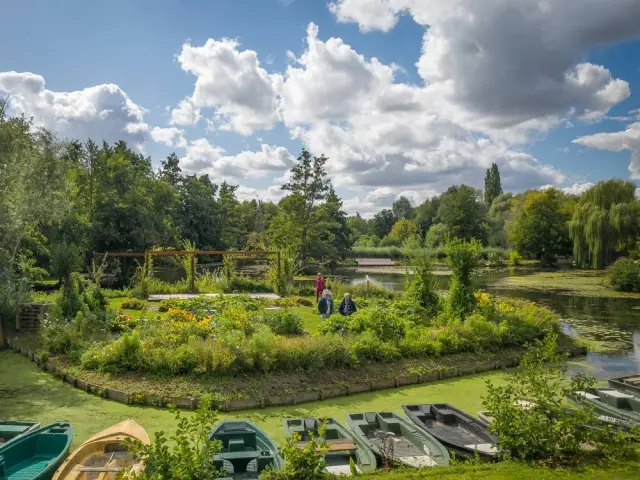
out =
column 108, row 198
column 593, row 228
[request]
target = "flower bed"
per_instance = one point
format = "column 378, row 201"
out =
column 238, row 335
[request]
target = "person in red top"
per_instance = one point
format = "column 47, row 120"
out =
column 319, row 286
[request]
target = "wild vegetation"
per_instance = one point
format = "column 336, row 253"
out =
column 233, row 335
column 547, row 430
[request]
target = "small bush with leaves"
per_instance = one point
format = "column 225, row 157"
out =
column 187, row 455
column 515, row 259
column 624, row 275
column 133, row 304
column 284, row 322
column 463, row 258
column 306, row 463
column 548, row 431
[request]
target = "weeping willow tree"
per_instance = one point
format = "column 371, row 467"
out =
column 606, row 221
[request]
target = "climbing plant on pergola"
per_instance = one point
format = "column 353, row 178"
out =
column 192, row 254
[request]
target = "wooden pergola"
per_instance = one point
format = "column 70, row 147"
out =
column 193, row 253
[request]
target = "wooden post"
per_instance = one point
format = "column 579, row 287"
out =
column 192, row 279
column 279, row 276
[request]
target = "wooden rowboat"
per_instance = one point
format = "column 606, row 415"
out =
column 37, row 454
column 459, row 432
column 392, row 437
column 343, row 447
column 12, row 429
column 103, row 455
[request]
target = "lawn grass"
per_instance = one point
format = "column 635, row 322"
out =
column 588, row 283
column 516, row 470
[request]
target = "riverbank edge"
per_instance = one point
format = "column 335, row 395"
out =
column 503, row 360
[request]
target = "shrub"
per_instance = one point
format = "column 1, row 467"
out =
column 383, row 322
column 422, row 289
column 284, row 322
column 133, row 304
column 188, row 456
column 548, row 431
column 462, row 257
column 624, row 275
column 306, row 463
column 515, row 259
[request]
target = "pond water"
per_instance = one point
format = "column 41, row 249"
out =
column 612, row 322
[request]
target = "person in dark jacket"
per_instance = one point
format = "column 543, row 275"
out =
column 347, row 306
column 325, row 306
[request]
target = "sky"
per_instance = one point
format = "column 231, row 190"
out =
column 404, row 97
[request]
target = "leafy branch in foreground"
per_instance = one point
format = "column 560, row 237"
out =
column 545, row 429
column 191, row 455
column 305, row 463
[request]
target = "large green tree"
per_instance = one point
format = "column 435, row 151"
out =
column 605, row 221
column 33, row 190
column 402, row 208
column 308, row 186
column 463, row 213
column 538, row 229
column 383, row 223
column 492, row 184
column 426, row 213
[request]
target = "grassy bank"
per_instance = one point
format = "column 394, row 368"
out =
column 587, row 283
column 26, row 392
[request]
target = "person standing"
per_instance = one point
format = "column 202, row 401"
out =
column 325, row 306
column 329, row 294
column 347, row 306
column 319, row 286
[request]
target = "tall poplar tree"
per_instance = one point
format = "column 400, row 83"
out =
column 492, row 185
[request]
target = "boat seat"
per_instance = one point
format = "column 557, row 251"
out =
column 237, row 455
column 310, row 424
column 236, row 445
column 370, row 417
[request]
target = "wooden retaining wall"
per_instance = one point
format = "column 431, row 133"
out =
column 191, row 403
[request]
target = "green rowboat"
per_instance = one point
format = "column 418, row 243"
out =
column 394, row 438
column 343, row 447
column 610, row 402
column 11, row 430
column 36, row 455
column 246, row 450
column 629, row 384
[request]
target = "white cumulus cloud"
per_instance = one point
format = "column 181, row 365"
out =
column 508, row 68
column 98, row 112
column 203, row 157
column 232, row 82
column 628, row 139
column 185, row 114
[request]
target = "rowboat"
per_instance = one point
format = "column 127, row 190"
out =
column 103, row 455
column 246, row 450
column 601, row 419
column 36, row 455
column 630, row 384
column 12, row 429
column 459, row 432
column 393, row 438
column 343, row 447
column 610, row 402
